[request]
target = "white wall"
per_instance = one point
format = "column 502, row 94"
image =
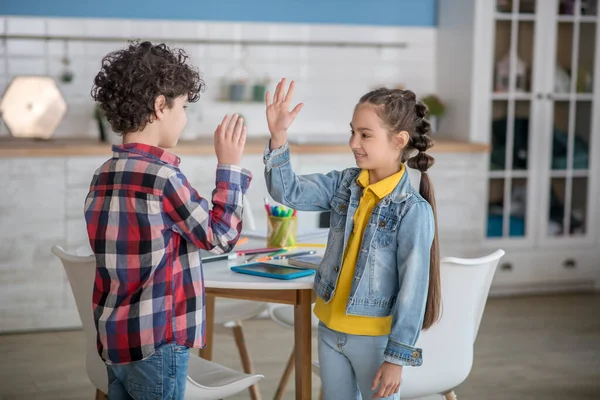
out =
column 330, row 79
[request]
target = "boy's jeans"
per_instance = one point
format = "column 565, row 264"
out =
column 160, row 376
column 349, row 364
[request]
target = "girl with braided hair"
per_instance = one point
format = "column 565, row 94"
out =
column 378, row 285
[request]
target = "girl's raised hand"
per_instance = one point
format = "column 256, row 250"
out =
column 279, row 118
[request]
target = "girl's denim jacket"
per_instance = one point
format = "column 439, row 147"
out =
column 392, row 270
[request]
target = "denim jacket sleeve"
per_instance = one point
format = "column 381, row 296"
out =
column 415, row 237
column 311, row 192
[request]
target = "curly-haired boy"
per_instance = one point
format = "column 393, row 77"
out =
column 146, row 223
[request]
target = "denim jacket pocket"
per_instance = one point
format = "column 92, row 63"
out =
column 339, row 212
column 385, row 233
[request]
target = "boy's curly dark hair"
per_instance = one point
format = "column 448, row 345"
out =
column 131, row 79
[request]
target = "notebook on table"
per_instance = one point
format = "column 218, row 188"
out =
column 311, row 261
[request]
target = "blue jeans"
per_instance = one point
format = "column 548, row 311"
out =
column 349, row 364
column 160, row 376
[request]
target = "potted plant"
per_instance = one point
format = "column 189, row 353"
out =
column 436, row 110
column 107, row 135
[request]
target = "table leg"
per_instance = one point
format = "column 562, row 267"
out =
column 302, row 343
column 206, row 352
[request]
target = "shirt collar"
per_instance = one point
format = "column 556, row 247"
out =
column 384, row 186
column 146, row 150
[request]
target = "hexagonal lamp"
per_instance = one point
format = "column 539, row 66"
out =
column 32, row 107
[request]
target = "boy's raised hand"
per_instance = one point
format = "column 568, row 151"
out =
column 230, row 139
column 279, row 118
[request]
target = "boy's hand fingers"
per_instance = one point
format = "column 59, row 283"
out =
column 242, row 141
column 238, row 130
column 231, row 127
column 224, row 123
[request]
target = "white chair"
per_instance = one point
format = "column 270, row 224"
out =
column 229, row 313
column 448, row 345
column 206, row 380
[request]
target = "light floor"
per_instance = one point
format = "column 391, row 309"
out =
column 544, row 347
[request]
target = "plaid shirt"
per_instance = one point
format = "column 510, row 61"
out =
column 146, row 225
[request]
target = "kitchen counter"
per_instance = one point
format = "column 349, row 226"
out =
column 11, row 147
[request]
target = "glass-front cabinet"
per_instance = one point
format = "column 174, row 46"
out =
column 543, row 121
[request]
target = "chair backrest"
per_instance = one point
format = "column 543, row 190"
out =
column 81, row 271
column 448, row 345
column 485, row 269
column 249, row 222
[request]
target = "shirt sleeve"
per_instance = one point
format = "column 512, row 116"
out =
column 188, row 214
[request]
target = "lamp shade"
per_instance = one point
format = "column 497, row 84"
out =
column 32, row 107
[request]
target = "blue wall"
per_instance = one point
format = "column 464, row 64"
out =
column 370, row 12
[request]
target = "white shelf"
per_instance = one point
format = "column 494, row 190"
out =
column 576, row 173
column 527, row 96
column 500, row 16
column 573, row 96
column 582, row 18
column 507, row 174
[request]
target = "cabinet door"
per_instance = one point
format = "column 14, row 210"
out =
column 570, row 181
column 511, row 196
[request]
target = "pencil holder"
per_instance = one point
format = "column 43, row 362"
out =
column 282, row 231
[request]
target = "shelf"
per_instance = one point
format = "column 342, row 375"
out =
column 573, row 18
column 506, row 174
column 575, row 173
column 527, row 96
column 64, row 147
column 589, row 18
column 499, row 16
column 573, row 96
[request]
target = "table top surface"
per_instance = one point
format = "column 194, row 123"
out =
column 218, row 274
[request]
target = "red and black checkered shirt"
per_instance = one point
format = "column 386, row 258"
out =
column 146, row 225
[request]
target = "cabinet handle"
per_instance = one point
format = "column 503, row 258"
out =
column 540, row 96
column 569, row 263
column 549, row 96
column 506, row 266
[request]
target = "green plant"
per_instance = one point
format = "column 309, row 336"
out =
column 435, row 105
column 100, row 118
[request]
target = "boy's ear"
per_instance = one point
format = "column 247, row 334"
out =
column 402, row 139
column 159, row 106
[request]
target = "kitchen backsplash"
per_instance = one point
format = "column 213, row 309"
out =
column 330, row 80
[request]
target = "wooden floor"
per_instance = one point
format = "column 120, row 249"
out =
column 528, row 348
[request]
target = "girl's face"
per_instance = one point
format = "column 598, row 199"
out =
column 373, row 147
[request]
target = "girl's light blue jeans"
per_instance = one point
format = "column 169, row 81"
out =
column 349, row 364
column 161, row 376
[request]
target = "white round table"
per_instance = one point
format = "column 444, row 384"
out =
column 220, row 281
